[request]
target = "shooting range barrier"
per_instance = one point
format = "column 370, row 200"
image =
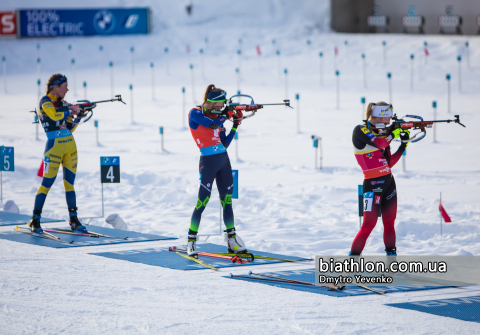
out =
column 169, row 259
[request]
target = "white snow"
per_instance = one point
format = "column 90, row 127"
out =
column 285, row 205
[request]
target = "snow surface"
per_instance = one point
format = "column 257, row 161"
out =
column 285, row 205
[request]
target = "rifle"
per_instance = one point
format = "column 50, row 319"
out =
column 418, row 125
column 84, row 105
column 252, row 107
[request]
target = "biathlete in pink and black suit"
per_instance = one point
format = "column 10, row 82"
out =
column 372, row 151
column 206, row 125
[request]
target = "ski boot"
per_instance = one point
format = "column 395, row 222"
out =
column 75, row 224
column 34, row 223
column 192, row 244
column 391, row 251
column 234, row 242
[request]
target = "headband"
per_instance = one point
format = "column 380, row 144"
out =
column 217, row 96
column 382, row 111
column 58, row 81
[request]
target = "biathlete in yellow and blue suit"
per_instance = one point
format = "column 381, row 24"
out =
column 59, row 120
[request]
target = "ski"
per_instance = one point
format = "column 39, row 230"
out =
column 92, row 233
column 234, row 259
column 44, row 235
column 70, row 233
column 260, row 257
column 370, row 289
column 331, row 288
column 196, row 260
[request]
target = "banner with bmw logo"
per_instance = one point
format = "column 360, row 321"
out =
column 83, row 22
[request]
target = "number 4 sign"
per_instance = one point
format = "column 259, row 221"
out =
column 110, row 169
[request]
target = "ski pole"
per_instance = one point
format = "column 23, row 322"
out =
column 411, row 71
column 321, row 67
column 364, row 72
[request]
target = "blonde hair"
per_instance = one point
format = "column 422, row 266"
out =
column 51, row 80
column 369, row 110
column 210, row 88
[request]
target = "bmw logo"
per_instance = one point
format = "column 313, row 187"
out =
column 104, row 22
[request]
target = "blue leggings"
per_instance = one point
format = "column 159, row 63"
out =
column 214, row 167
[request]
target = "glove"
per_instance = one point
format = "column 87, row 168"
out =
column 396, row 133
column 405, row 136
column 237, row 118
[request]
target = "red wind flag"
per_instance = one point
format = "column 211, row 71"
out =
column 426, row 52
column 40, row 170
column 259, row 52
column 336, row 51
column 443, row 212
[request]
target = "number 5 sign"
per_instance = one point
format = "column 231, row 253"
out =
column 110, row 169
column 6, row 159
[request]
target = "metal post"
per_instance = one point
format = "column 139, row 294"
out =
column 404, row 156
column 239, row 53
column 337, row 73
column 236, row 145
column 4, row 61
column 411, row 71
column 286, row 83
column 96, row 131
column 74, row 76
column 161, row 138
column 100, row 49
column 36, row 117
column 362, row 101
column 384, row 43
column 132, row 51
column 39, row 66
column 321, row 67
column 202, row 65
column 103, row 211
column 38, row 50
column 468, row 53
column 111, row 78
column 364, row 71
column 167, row 69
column 193, row 83
column 448, row 93
column 183, row 108
column 459, row 59
column 434, row 105
column 321, row 152
column 131, row 102
column 279, row 66
column 346, row 53
column 298, row 112
column 153, row 80
column 425, row 53
column 389, row 76
column 237, row 71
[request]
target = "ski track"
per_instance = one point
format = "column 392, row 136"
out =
column 285, row 205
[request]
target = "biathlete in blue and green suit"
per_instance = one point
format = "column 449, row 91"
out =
column 206, row 125
column 59, row 120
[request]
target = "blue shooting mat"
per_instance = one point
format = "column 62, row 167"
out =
column 308, row 275
column 169, row 259
column 83, row 241
column 12, row 219
column 466, row 309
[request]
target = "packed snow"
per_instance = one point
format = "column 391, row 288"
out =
column 285, row 205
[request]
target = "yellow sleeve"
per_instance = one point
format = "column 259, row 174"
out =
column 52, row 113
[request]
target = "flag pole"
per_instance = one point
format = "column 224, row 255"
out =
column 441, row 232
